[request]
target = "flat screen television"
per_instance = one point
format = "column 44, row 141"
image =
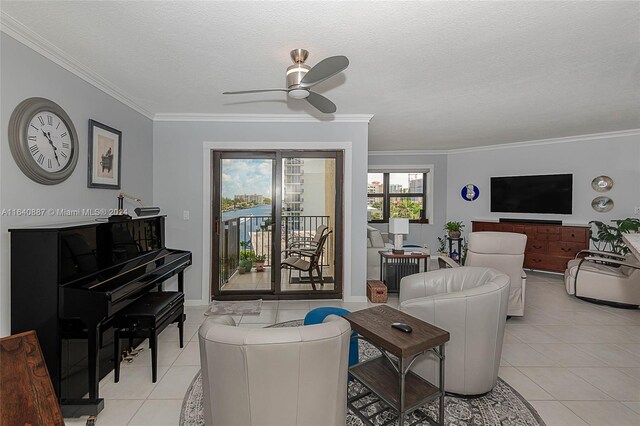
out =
column 532, row 194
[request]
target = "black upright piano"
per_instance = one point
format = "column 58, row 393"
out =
column 67, row 282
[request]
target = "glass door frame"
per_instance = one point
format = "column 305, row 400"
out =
column 216, row 213
column 276, row 204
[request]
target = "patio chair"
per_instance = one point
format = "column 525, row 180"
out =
column 306, row 260
column 308, row 243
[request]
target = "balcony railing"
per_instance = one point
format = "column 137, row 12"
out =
column 258, row 231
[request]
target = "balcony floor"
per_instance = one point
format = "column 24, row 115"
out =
column 261, row 281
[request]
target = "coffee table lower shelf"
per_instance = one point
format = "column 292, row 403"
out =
column 382, row 379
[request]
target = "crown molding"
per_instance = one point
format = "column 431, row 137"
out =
column 17, row 30
column 566, row 139
column 577, row 138
column 264, row 118
column 410, row 153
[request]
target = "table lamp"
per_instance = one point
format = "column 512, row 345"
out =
column 399, row 227
column 121, row 216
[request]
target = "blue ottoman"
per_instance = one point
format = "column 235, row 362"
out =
column 317, row 315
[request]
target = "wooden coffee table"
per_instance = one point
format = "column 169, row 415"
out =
column 389, row 377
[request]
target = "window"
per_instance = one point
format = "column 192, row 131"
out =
column 397, row 194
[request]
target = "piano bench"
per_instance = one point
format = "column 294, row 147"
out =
column 146, row 318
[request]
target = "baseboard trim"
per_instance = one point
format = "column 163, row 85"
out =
column 355, row 298
column 195, row 302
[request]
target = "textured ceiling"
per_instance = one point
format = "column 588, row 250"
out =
column 437, row 75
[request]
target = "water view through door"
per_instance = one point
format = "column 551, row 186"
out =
column 276, row 224
column 246, row 210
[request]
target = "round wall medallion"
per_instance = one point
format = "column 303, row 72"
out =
column 602, row 183
column 470, row 192
column 43, row 141
column 602, row 204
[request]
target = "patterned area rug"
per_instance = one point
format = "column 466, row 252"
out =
column 501, row 407
column 245, row 307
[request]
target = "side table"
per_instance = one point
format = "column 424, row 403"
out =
column 403, row 265
column 388, row 376
column 454, row 254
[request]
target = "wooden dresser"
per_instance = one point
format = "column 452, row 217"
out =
column 549, row 247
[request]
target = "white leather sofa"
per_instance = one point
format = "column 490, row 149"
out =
column 604, row 277
column 274, row 376
column 503, row 251
column 377, row 241
column 471, row 304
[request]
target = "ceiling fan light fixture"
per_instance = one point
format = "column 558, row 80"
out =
column 298, row 93
column 295, row 73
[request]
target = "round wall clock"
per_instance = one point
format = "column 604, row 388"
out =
column 43, row 141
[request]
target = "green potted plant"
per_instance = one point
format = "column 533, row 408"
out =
column 246, row 258
column 442, row 248
column 260, row 260
column 609, row 237
column 454, row 229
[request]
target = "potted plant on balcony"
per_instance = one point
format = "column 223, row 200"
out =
column 246, row 258
column 454, row 229
column 260, row 260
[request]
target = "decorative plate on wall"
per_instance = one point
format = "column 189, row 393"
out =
column 602, row 183
column 602, row 204
column 470, row 192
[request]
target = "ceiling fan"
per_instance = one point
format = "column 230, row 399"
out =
column 301, row 77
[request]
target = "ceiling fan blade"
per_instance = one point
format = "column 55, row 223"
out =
column 324, row 69
column 255, row 91
column 321, row 103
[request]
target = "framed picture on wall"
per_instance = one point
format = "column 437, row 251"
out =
column 105, row 156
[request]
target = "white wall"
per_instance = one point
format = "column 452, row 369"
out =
column 179, row 178
column 422, row 234
column 24, row 74
column 611, row 155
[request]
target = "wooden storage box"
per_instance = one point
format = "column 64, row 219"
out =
column 376, row 291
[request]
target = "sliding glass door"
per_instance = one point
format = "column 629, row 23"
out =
column 244, row 224
column 277, row 220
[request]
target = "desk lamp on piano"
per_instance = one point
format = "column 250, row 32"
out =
column 121, row 216
column 69, row 280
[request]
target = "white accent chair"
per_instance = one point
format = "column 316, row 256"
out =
column 604, row 277
column 471, row 304
column 503, row 251
column 274, row 376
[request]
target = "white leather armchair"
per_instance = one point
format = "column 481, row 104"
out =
column 274, row 376
column 503, row 251
column 471, row 304
column 604, row 277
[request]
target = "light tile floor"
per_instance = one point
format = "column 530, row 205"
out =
column 577, row 363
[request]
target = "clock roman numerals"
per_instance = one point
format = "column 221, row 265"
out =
column 43, row 141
